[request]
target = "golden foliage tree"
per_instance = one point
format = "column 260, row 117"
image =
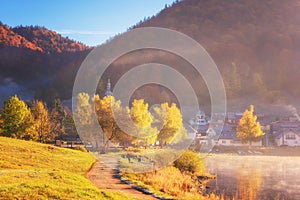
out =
column 83, row 109
column 42, row 123
column 172, row 130
column 248, row 129
column 139, row 113
column 85, row 124
column 143, row 130
column 108, row 111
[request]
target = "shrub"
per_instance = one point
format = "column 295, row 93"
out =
column 81, row 148
column 191, row 162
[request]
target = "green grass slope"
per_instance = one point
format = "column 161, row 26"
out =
column 30, row 170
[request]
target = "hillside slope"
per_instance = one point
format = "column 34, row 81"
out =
column 38, row 62
column 255, row 44
column 30, row 170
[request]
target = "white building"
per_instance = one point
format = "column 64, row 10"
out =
column 288, row 136
column 199, row 120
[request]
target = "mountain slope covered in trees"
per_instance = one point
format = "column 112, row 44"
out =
column 255, row 44
column 37, row 38
column 35, row 61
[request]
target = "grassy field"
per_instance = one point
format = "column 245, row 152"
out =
column 30, row 170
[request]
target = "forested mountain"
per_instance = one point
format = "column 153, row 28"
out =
column 255, row 44
column 9, row 38
column 49, row 41
column 37, row 38
column 35, row 61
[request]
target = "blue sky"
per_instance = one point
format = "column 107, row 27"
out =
column 91, row 22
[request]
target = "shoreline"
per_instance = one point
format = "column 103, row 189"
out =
column 256, row 151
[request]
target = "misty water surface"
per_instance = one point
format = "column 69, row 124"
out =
column 255, row 177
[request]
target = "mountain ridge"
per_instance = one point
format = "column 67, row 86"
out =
column 38, row 38
column 38, row 63
column 9, row 38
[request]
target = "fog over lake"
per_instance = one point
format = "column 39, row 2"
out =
column 255, row 177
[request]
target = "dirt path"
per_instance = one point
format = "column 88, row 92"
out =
column 104, row 176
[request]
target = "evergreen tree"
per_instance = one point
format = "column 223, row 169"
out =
column 17, row 120
column 1, row 123
column 233, row 83
column 236, row 78
column 57, row 117
column 42, row 123
column 248, row 129
column 69, row 126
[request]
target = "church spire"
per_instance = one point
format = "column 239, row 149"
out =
column 108, row 91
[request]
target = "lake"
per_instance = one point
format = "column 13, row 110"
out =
column 255, row 177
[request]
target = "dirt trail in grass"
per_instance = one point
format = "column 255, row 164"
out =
column 104, row 176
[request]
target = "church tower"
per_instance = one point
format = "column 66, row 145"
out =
column 200, row 118
column 108, row 91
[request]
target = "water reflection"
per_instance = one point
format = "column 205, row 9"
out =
column 249, row 184
column 255, row 177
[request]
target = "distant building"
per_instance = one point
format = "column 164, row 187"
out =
column 199, row 120
column 289, row 137
column 208, row 131
column 108, row 91
column 231, row 118
column 286, row 132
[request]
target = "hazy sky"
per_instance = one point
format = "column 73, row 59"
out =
column 91, row 22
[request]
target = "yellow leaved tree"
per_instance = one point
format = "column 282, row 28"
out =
column 248, row 129
column 42, row 123
column 172, row 130
column 144, row 132
column 109, row 110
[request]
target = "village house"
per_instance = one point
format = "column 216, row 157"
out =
column 228, row 137
column 206, row 130
column 286, row 132
column 289, row 137
column 199, row 120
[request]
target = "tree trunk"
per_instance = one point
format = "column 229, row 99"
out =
column 250, row 144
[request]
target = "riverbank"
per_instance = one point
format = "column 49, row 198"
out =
column 259, row 151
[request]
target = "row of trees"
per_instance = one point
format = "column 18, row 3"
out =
column 125, row 126
column 121, row 125
column 33, row 121
column 130, row 126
